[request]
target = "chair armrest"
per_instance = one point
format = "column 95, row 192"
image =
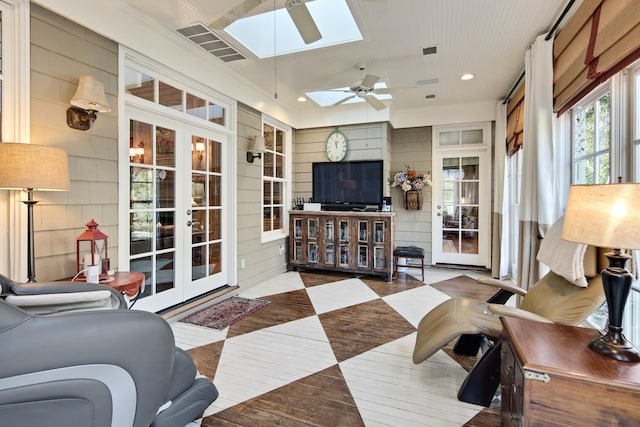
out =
column 502, row 285
column 507, row 311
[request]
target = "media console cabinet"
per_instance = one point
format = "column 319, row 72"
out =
column 354, row 242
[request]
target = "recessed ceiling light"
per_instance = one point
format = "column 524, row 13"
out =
column 302, row 99
column 467, row 76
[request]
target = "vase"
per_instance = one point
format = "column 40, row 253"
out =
column 413, row 200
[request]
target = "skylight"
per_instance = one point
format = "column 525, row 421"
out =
column 325, row 98
column 332, row 17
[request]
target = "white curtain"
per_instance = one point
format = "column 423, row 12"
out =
column 540, row 204
column 501, row 255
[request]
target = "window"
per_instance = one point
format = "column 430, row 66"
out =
column 591, row 137
column 274, row 181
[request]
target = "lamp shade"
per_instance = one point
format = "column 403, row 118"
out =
column 90, row 95
column 34, row 167
column 607, row 216
column 258, row 144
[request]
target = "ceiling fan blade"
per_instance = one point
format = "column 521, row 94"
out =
column 375, row 102
column 369, row 80
column 236, row 13
column 303, row 21
column 342, row 101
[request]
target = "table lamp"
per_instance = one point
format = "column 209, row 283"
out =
column 32, row 167
column 607, row 216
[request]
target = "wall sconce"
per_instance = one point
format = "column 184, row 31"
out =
column 137, row 153
column 86, row 102
column 257, row 148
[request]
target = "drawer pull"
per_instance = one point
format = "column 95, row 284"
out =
column 538, row 376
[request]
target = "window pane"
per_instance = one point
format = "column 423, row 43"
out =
column 473, row 136
column 215, row 224
column 279, row 166
column 267, row 196
column 279, row 147
column 266, row 218
column 196, row 106
column 141, row 232
column 277, row 193
column 214, row 191
column 165, row 273
column 139, row 84
column 141, row 191
column 169, row 96
column 165, row 228
column 197, row 189
column 216, row 114
column 450, row 138
column 268, row 137
column 603, row 123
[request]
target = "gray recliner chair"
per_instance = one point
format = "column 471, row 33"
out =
column 96, row 368
column 53, row 297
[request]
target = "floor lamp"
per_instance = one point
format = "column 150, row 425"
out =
column 32, row 168
column 607, row 216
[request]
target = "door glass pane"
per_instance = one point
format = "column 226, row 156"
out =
column 166, row 192
column 165, row 272
column 215, row 258
column 166, row 147
column 214, row 156
column 206, row 220
column 152, row 197
column 215, row 224
column 460, row 198
column 214, row 190
column 198, row 148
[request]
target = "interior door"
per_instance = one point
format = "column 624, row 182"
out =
column 461, row 203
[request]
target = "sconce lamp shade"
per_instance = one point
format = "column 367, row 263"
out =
column 606, row 216
column 90, row 95
column 36, row 167
column 258, row 144
column 257, row 148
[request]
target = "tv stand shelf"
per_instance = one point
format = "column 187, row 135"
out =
column 353, row 242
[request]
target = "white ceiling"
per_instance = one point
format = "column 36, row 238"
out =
column 485, row 37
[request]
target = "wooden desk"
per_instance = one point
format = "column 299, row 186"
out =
column 550, row 377
column 127, row 282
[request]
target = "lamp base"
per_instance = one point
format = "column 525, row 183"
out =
column 615, row 346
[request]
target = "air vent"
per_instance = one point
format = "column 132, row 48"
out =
column 203, row 37
column 430, row 96
column 431, row 50
column 427, row 82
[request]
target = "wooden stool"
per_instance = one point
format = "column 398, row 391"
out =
column 412, row 252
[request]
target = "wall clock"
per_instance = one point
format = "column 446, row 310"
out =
column 337, row 146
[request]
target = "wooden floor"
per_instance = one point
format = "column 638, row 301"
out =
column 333, row 349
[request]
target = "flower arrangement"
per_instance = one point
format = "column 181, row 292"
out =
column 410, row 180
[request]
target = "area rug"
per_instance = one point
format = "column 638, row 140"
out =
column 225, row 313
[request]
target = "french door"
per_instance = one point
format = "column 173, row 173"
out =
column 461, row 197
column 177, row 216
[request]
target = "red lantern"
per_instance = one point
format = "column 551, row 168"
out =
column 96, row 253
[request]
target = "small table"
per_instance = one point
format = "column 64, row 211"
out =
column 129, row 283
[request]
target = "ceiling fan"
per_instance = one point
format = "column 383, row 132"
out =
column 366, row 90
column 297, row 10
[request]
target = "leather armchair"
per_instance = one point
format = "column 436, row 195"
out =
column 98, row 368
column 476, row 324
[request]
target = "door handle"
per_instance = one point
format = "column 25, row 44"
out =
column 188, row 211
column 189, row 223
column 439, row 214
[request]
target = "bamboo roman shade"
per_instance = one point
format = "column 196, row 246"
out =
column 601, row 38
column 515, row 122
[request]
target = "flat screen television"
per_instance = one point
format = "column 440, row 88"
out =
column 356, row 184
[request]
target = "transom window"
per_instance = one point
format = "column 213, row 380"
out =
column 146, row 87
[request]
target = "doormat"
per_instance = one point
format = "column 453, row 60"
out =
column 225, row 313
